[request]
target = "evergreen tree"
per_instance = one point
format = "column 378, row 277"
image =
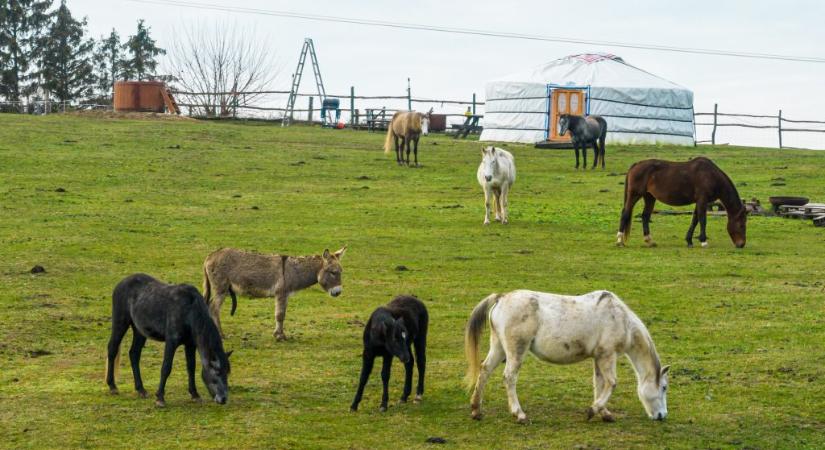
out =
column 142, row 50
column 66, row 59
column 22, row 25
column 108, row 63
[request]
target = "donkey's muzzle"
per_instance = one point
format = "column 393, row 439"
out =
column 336, row 291
column 488, row 177
column 220, row 399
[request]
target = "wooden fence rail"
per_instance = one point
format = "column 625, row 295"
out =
column 779, row 121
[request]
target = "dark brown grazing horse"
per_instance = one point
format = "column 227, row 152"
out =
column 697, row 181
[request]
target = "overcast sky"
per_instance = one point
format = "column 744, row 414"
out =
column 377, row 61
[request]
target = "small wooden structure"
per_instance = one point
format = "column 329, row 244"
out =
column 470, row 125
column 144, row 96
column 563, row 101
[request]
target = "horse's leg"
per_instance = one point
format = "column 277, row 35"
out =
column 514, row 351
column 408, row 373
column 607, row 366
column 399, row 148
column 165, row 369
column 598, row 386
column 280, row 315
column 138, row 341
column 692, row 228
column 595, row 154
column 416, row 152
column 601, row 150
column 487, row 195
column 494, row 357
column 190, row 369
column 215, row 309
column 584, row 156
column 627, row 218
column 702, row 211
column 385, row 381
column 504, row 202
column 497, row 203
column 366, row 368
column 407, row 140
column 421, row 362
column 650, row 201
column 576, row 148
column 119, row 328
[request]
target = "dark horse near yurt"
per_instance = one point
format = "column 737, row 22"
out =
column 177, row 315
column 584, row 132
column 697, row 181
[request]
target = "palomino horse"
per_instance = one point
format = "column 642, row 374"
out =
column 564, row 329
column 496, row 175
column 177, row 315
column 405, row 127
column 697, row 181
column 585, row 131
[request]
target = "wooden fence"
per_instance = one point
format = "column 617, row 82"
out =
column 779, row 127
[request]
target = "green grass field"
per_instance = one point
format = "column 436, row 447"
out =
column 742, row 329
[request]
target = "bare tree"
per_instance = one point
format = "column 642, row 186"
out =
column 217, row 68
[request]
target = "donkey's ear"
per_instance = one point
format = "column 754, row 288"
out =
column 665, row 370
column 326, row 253
column 229, row 353
column 341, row 252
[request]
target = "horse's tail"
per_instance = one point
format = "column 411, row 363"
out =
column 207, row 286
column 472, row 333
column 234, row 301
column 389, row 140
column 116, row 366
column 603, row 135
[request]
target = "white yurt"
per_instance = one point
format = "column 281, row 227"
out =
column 639, row 107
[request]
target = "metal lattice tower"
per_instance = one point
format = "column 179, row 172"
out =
column 308, row 47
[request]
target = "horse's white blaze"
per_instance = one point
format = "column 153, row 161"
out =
column 564, row 329
column 499, row 166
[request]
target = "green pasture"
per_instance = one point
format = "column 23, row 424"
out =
column 742, row 329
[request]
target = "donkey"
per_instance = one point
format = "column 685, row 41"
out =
column 496, row 175
column 698, row 181
column 564, row 329
column 391, row 331
column 236, row 272
column 585, row 131
column 177, row 315
column 405, row 127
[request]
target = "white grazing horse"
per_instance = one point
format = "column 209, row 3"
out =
column 563, row 329
column 496, row 175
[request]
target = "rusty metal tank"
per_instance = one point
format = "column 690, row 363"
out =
column 145, row 96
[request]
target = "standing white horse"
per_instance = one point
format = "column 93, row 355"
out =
column 564, row 329
column 496, row 175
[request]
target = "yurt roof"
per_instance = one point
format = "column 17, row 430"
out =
column 591, row 69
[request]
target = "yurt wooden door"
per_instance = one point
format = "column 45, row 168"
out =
column 564, row 101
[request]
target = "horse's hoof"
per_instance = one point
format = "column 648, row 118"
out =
column 353, row 409
column 590, row 413
column 382, row 409
column 476, row 414
column 619, row 244
column 142, row 394
column 160, row 403
column 402, row 400
column 523, row 420
column 197, row 399
column 113, row 391
column 486, row 222
column 690, row 245
column 279, row 336
column 505, row 221
column 417, row 399
column 607, row 417
column 704, row 244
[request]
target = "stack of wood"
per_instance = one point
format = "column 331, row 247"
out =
column 813, row 211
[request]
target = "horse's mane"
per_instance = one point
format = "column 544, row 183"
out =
column 205, row 330
column 647, row 341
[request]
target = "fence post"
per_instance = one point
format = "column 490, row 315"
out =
column 352, row 118
column 713, row 133
column 474, row 103
column 780, row 128
column 409, row 96
column 309, row 113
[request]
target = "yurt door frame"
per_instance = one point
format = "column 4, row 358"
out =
column 564, row 100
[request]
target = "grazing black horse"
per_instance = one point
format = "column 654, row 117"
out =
column 391, row 330
column 176, row 314
column 585, row 131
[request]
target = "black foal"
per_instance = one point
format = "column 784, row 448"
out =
column 391, row 331
column 176, row 314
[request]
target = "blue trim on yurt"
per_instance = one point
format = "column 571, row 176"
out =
column 550, row 87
